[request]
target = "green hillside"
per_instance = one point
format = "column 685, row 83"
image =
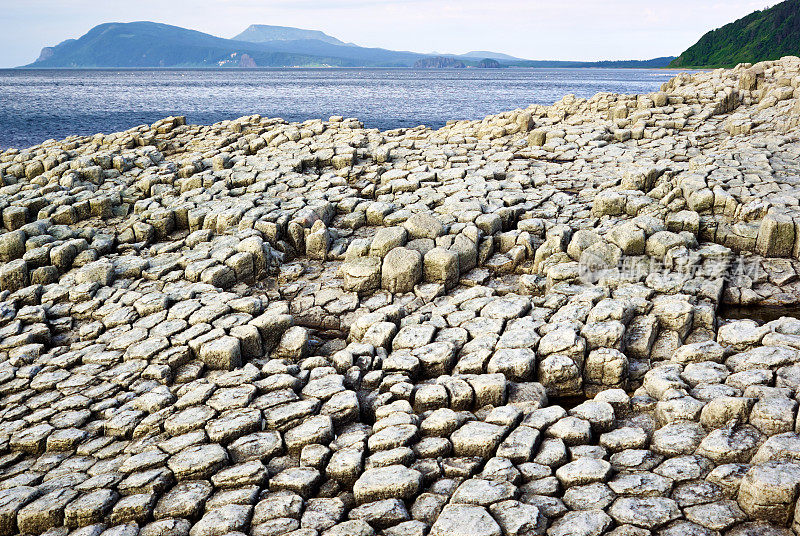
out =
column 760, row 36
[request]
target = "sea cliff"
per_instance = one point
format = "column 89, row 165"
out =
column 439, row 62
column 514, row 325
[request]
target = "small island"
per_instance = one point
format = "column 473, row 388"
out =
column 444, row 62
column 439, row 62
column 488, row 63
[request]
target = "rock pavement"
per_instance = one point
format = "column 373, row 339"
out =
column 506, row 327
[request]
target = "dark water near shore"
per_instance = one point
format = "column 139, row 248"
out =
column 38, row 105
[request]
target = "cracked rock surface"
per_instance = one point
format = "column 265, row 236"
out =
column 567, row 320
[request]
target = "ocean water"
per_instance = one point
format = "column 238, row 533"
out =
column 43, row 104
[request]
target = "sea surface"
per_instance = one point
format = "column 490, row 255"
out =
column 42, row 104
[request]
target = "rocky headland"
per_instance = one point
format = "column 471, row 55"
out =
column 439, row 62
column 506, row 327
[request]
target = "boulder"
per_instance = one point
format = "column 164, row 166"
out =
column 362, row 274
column 393, row 481
column 465, row 520
column 223, row 353
column 401, row 270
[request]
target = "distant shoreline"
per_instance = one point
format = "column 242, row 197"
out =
column 334, row 68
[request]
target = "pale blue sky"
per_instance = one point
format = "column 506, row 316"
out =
column 532, row 29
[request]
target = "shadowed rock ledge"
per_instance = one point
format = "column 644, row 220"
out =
column 503, row 327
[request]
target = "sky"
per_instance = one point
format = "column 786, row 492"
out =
column 587, row 30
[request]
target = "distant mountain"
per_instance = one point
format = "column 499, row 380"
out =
column 760, row 36
column 150, row 44
column 155, row 45
column 485, row 54
column 655, row 63
column 263, row 33
column 439, row 62
column 345, row 55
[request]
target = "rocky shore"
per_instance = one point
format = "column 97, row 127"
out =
column 505, row 327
